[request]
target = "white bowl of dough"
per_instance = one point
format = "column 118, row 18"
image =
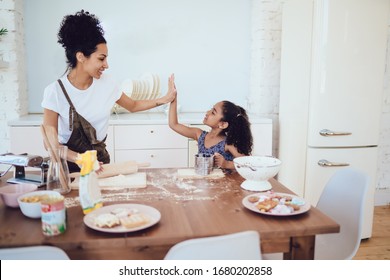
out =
column 257, row 170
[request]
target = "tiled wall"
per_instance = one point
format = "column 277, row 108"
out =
column 265, row 74
column 13, row 79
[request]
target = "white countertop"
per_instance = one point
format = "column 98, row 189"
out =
column 135, row 118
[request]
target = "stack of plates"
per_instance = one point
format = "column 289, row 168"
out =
column 145, row 88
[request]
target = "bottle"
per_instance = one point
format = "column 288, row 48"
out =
column 89, row 191
column 58, row 173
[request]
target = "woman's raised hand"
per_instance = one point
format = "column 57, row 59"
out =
column 172, row 92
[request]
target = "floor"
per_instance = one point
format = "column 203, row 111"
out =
column 378, row 246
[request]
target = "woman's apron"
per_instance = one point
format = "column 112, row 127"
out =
column 83, row 137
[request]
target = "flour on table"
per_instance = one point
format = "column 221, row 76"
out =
column 134, row 181
column 189, row 173
column 163, row 185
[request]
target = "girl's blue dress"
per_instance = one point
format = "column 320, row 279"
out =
column 218, row 148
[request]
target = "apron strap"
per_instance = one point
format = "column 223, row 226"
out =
column 71, row 107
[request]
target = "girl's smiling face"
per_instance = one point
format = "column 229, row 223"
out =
column 214, row 116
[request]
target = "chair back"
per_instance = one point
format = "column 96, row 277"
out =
column 343, row 200
column 33, row 253
column 237, row 246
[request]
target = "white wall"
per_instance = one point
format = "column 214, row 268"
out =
column 205, row 43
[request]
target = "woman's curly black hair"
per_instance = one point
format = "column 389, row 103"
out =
column 238, row 133
column 80, row 32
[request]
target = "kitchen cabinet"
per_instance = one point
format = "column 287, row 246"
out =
column 28, row 139
column 157, row 144
column 193, row 145
column 143, row 137
column 331, row 93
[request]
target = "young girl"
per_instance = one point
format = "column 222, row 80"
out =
column 230, row 134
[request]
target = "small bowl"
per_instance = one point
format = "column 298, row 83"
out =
column 257, row 170
column 11, row 192
column 30, row 203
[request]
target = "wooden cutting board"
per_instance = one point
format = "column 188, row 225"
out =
column 131, row 181
column 114, row 169
column 189, row 173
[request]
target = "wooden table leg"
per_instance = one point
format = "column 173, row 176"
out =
column 302, row 248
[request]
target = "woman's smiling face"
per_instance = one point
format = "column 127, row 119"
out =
column 96, row 63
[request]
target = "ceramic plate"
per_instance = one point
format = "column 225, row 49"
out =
column 157, row 81
column 304, row 206
column 150, row 83
column 152, row 213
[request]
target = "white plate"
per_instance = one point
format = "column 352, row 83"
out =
column 252, row 206
column 155, row 84
column 158, row 85
column 141, row 87
column 145, row 88
column 136, row 86
column 153, row 214
column 150, row 83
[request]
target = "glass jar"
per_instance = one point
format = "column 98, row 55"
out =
column 58, row 173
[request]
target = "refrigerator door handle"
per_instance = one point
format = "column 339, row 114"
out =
column 327, row 132
column 326, row 163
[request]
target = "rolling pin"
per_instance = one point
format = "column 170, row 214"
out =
column 114, row 169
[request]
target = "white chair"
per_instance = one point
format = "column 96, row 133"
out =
column 237, row 246
column 33, row 253
column 343, row 200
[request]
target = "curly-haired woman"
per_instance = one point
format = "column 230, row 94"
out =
column 79, row 104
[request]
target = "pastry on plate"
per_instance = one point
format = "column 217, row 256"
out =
column 107, row 220
column 134, row 220
column 253, row 199
column 266, row 205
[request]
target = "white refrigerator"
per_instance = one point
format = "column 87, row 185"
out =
column 332, row 70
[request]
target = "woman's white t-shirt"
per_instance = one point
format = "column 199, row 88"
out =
column 94, row 104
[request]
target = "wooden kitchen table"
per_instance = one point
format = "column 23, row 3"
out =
column 190, row 208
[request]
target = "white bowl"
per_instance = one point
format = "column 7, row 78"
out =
column 32, row 208
column 11, row 192
column 257, row 170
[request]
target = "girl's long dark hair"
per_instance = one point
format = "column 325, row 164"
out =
column 80, row 32
column 238, row 133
